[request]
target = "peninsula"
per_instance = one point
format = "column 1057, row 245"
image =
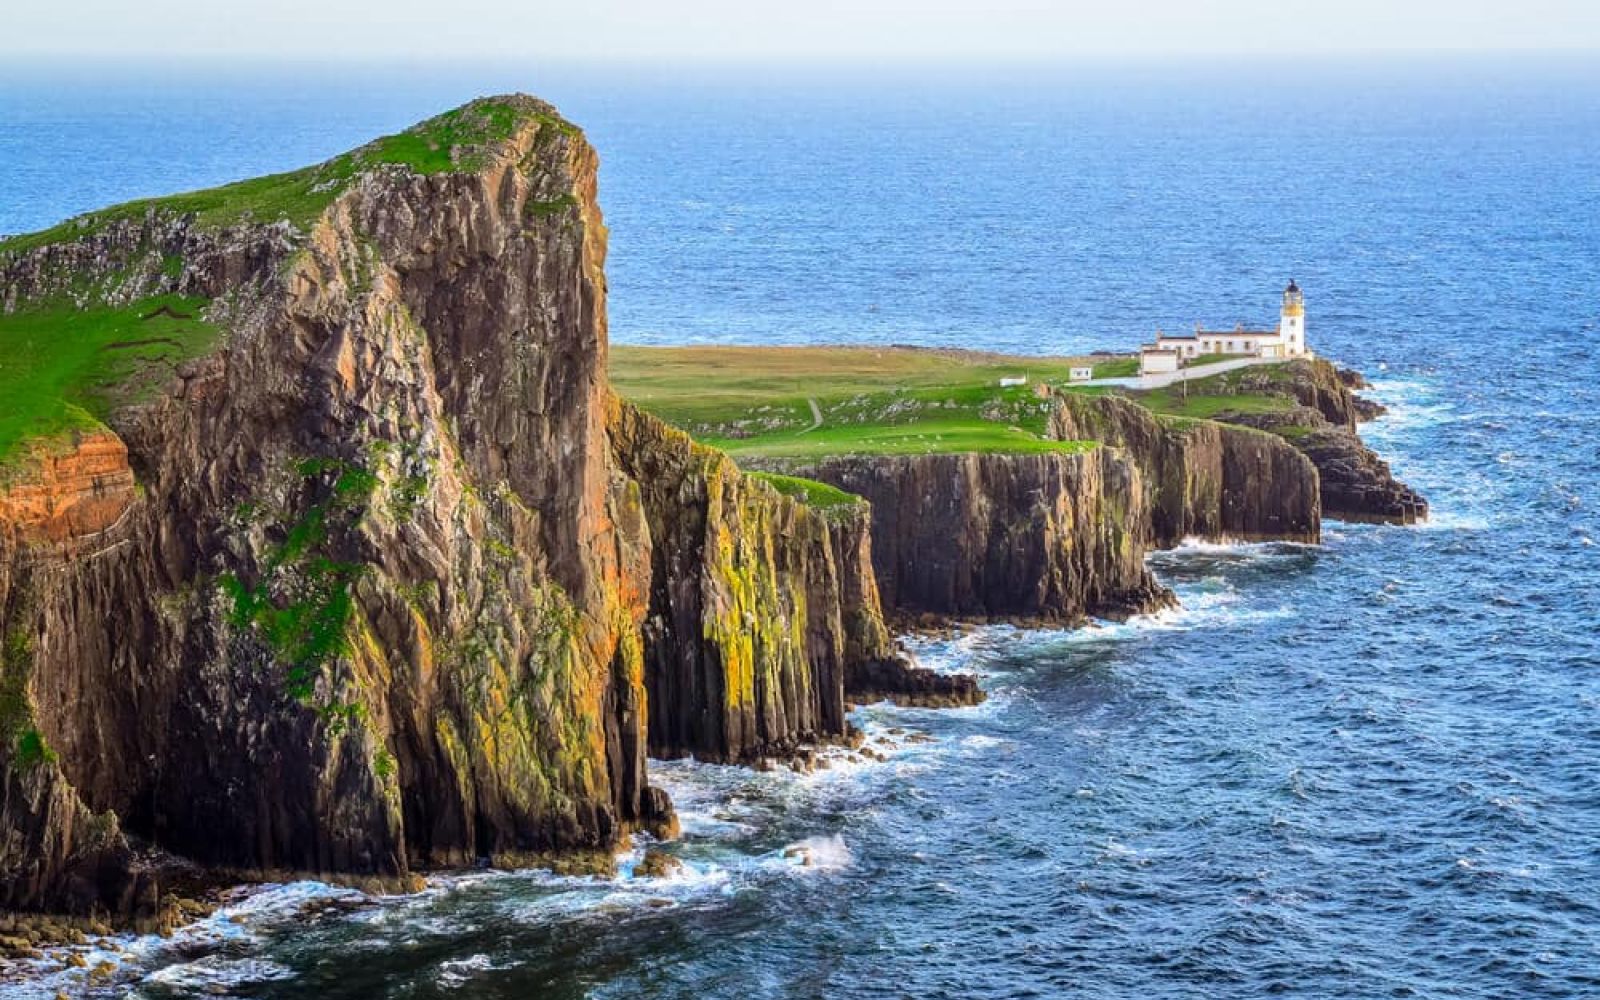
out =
column 334, row 538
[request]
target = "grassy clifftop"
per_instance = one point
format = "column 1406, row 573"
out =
column 810, row 402
column 1257, row 389
column 456, row 140
column 62, row 367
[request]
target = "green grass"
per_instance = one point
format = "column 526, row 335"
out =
column 455, row 140
column 810, row 492
column 1120, row 368
column 1174, row 401
column 1228, row 392
column 756, row 402
column 63, row 368
column 1211, row 359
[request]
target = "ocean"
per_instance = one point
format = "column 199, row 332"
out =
column 1369, row 767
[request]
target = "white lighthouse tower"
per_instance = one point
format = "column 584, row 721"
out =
column 1292, row 322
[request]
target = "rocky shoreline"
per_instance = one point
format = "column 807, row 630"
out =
column 387, row 580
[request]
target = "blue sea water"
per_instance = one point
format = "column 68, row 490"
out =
column 1366, row 768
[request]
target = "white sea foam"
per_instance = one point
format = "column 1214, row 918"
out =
column 980, row 741
column 457, row 973
column 1191, row 546
column 819, row 854
column 220, row 974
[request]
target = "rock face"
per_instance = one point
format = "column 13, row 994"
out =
column 71, row 492
column 744, row 647
column 401, row 584
column 763, row 612
column 1047, row 537
column 380, row 603
column 1202, row 479
column 1357, row 485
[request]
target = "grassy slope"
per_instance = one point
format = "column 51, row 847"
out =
column 809, row 491
column 756, row 401
column 63, row 367
column 1204, row 398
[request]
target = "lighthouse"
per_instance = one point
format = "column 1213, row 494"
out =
column 1292, row 322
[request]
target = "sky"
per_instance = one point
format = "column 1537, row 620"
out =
column 679, row 31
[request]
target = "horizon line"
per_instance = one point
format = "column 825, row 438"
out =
column 1065, row 59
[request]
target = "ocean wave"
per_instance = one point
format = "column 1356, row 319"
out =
column 216, row 974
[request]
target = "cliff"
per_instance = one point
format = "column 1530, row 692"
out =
column 744, row 644
column 376, row 604
column 764, row 615
column 1054, row 536
column 1203, row 479
column 1320, row 419
column 378, row 607
column 342, row 558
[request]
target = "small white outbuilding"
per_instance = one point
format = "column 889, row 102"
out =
column 1157, row 360
column 1080, row 373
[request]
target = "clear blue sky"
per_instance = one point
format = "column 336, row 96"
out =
column 791, row 30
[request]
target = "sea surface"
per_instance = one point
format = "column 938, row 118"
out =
column 1365, row 768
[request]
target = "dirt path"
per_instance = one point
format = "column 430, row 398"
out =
column 816, row 416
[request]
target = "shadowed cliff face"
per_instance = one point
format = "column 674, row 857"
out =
column 1202, row 479
column 1054, row 537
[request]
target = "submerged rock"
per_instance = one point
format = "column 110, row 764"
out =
column 657, row 864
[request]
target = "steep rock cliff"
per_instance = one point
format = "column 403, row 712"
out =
column 1203, row 479
column 1357, row 485
column 1051, row 537
column 744, row 644
column 377, row 604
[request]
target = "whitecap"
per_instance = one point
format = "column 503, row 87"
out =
column 455, row 973
column 220, row 974
column 818, row 854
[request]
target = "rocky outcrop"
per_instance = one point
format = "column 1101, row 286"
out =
column 743, row 645
column 1045, row 537
column 68, row 491
column 898, row 680
column 763, row 612
column 1202, row 479
column 876, row 667
column 1356, row 484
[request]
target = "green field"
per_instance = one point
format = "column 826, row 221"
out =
column 1236, row 391
column 63, row 368
column 810, row 492
column 757, row 401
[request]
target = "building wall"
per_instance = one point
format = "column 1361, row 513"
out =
column 1156, row 362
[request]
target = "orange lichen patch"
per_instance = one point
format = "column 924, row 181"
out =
column 69, row 493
